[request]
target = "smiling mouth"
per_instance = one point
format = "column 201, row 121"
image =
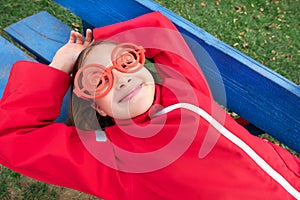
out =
column 131, row 93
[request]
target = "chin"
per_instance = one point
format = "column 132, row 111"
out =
column 133, row 109
column 140, row 107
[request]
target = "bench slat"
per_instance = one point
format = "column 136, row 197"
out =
column 9, row 54
column 42, row 34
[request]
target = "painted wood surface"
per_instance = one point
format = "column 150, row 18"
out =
column 9, row 54
column 42, row 34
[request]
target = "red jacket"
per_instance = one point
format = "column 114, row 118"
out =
column 184, row 147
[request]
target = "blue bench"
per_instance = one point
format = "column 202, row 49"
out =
column 42, row 35
column 9, row 54
column 259, row 95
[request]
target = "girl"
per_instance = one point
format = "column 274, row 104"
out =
column 163, row 140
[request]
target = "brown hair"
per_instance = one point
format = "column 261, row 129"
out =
column 81, row 113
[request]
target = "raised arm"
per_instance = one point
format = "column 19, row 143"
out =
column 33, row 95
column 31, row 143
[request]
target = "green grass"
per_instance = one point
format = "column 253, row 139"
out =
column 15, row 186
column 267, row 31
column 12, row 11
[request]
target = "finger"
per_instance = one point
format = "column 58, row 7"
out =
column 80, row 39
column 72, row 38
column 89, row 36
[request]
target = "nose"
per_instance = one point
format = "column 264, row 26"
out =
column 121, row 80
column 124, row 82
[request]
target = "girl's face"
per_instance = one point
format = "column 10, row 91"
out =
column 132, row 94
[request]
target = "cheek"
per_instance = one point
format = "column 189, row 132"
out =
column 105, row 103
column 109, row 105
column 149, row 97
column 145, row 75
column 144, row 101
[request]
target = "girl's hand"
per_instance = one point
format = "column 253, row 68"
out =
column 66, row 56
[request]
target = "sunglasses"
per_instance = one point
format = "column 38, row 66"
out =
column 95, row 80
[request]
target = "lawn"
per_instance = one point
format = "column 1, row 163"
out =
column 267, row 31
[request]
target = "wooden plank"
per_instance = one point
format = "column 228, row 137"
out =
column 258, row 94
column 9, row 54
column 64, row 110
column 110, row 12
column 42, row 34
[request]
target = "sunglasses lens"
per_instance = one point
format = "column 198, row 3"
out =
column 128, row 57
column 91, row 81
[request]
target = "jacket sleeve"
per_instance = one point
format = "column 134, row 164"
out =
column 32, row 144
column 163, row 43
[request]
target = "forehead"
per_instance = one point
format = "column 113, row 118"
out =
column 100, row 54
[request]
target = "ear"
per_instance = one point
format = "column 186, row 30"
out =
column 98, row 109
